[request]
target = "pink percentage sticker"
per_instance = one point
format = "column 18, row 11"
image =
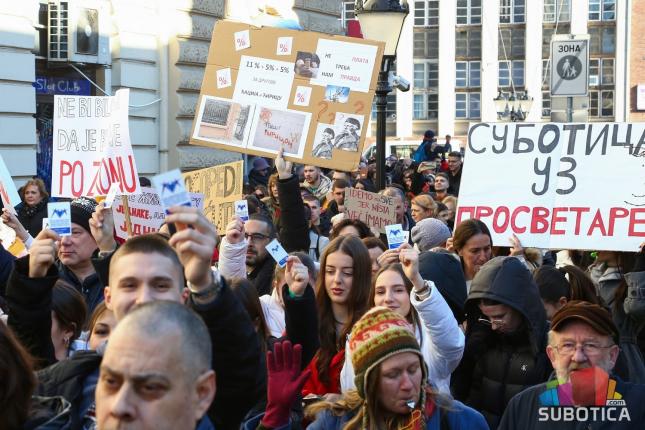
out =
column 284, row 45
column 242, row 40
column 302, row 97
column 224, row 78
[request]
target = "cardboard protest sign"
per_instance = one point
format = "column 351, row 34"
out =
column 92, row 146
column 269, row 87
column 375, row 210
column 8, row 192
column 146, row 212
column 221, row 186
column 558, row 186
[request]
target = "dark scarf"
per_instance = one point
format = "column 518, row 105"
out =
column 26, row 211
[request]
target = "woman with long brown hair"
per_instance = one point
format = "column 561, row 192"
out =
column 342, row 297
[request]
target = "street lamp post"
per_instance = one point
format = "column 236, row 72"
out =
column 382, row 20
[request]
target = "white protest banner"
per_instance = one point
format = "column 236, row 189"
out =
column 92, row 146
column 146, row 212
column 10, row 197
column 558, row 186
column 373, row 209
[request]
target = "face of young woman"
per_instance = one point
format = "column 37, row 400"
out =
column 102, row 329
column 390, row 291
column 399, row 382
column 475, row 253
column 339, row 272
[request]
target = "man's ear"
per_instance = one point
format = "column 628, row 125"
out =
column 184, row 295
column 614, row 350
column 205, row 387
column 550, row 352
column 108, row 297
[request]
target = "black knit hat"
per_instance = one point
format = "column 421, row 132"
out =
column 82, row 209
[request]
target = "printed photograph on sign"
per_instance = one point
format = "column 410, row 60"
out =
column 307, row 65
column 223, row 121
column 337, row 94
column 275, row 128
column 348, row 131
column 323, row 141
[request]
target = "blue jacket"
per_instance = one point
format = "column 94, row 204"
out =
column 459, row 417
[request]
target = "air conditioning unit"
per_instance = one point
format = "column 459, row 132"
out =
column 78, row 31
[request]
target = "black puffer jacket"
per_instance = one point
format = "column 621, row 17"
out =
column 496, row 366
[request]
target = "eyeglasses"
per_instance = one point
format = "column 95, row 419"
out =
column 498, row 322
column 255, row 237
column 590, row 349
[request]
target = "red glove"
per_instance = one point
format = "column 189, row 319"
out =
column 284, row 383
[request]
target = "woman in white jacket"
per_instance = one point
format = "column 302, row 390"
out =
column 400, row 288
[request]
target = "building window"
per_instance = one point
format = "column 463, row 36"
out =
column 426, row 13
column 469, row 12
column 601, row 103
column 511, row 73
column 601, row 71
column 557, row 10
column 426, row 43
column 546, row 72
column 546, row 103
column 426, row 106
column 511, row 42
column 467, row 74
column 426, row 75
column 602, row 10
column 390, row 110
column 468, row 43
column 511, row 11
column 547, row 34
column 467, row 105
column 602, row 40
column 347, row 12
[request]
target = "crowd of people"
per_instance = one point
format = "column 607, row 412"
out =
column 446, row 331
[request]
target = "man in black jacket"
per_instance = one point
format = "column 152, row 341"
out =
column 146, row 269
column 505, row 338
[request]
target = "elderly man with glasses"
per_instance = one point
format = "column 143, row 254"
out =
column 583, row 351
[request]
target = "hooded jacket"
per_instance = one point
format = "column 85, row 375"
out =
column 497, row 366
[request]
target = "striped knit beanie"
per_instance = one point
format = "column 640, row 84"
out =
column 378, row 335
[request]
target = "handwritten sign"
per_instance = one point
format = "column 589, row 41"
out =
column 146, row 212
column 375, row 210
column 221, row 186
column 559, row 186
column 92, row 146
column 10, row 197
column 303, row 79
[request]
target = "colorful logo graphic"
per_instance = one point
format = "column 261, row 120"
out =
column 588, row 387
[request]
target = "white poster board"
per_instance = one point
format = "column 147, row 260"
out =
column 558, row 186
column 146, row 212
column 8, row 192
column 92, row 146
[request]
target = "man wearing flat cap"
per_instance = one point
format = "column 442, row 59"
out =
column 583, row 348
